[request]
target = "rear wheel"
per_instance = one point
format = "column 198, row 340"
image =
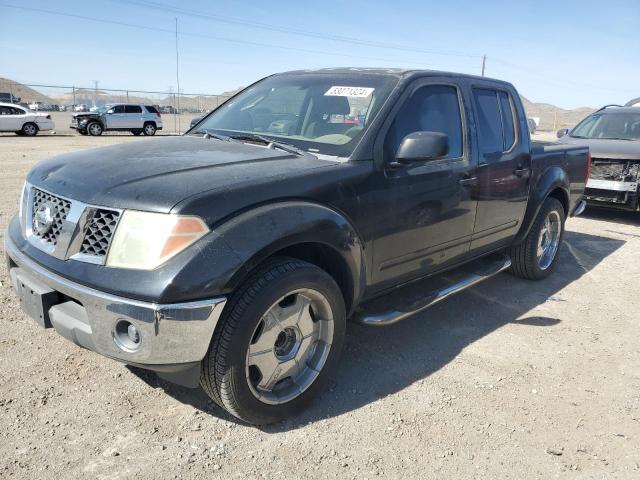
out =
column 94, row 129
column 277, row 343
column 29, row 129
column 536, row 257
column 149, row 129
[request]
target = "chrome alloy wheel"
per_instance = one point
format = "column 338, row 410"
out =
column 289, row 346
column 149, row 129
column 95, row 129
column 549, row 240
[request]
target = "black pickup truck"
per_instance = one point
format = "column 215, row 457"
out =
column 232, row 257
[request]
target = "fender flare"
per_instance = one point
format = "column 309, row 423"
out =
column 258, row 233
column 554, row 178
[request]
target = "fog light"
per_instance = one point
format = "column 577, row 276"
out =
column 133, row 333
column 127, row 336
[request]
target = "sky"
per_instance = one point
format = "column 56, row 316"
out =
column 569, row 53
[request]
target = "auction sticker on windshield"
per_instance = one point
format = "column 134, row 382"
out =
column 336, row 91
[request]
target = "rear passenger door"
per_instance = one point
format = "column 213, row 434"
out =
column 133, row 116
column 504, row 165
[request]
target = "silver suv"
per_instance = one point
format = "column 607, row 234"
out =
column 129, row 117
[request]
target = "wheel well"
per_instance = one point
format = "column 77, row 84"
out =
column 327, row 259
column 149, row 121
column 560, row 195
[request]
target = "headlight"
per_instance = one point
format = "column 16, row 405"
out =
column 146, row 240
column 83, row 122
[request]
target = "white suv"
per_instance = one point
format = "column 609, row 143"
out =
column 133, row 118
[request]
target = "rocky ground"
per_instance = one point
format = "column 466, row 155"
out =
column 510, row 380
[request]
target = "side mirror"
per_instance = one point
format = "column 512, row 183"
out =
column 562, row 132
column 422, row 146
column 109, row 112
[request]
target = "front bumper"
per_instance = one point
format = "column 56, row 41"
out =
column 170, row 334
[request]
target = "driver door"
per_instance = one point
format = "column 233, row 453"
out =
column 427, row 212
column 116, row 119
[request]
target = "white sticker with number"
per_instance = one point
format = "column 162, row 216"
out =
column 349, row 92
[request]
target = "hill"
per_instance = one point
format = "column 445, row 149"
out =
column 552, row 117
column 27, row 94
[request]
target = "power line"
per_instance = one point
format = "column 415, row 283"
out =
column 225, row 39
column 203, row 15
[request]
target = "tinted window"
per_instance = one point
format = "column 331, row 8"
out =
column 151, row 109
column 507, row 121
column 118, row 109
column 434, row 108
column 6, row 111
column 132, row 109
column 489, row 122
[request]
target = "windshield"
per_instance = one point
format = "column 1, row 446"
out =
column 318, row 113
column 623, row 126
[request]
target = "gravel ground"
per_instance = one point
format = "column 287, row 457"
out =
column 510, row 379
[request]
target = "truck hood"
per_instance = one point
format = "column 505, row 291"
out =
column 157, row 174
column 604, row 148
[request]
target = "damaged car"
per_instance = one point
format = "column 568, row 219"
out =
column 613, row 136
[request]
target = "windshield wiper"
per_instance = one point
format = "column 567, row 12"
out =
column 253, row 137
column 207, row 134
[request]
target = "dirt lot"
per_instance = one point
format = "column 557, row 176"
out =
column 511, row 379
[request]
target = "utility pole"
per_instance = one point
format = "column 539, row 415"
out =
column 484, row 61
column 177, row 74
column 95, row 92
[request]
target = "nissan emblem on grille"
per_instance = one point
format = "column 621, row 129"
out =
column 49, row 213
column 43, row 218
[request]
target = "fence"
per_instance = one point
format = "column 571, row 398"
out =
column 60, row 98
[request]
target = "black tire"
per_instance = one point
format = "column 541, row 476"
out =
column 224, row 368
column 83, row 132
column 94, row 129
column 30, row 129
column 149, row 129
column 524, row 257
column 136, row 132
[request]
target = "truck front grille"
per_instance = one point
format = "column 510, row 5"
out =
column 58, row 208
column 99, row 232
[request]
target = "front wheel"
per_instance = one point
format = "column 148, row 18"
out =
column 277, row 343
column 536, row 257
column 94, row 129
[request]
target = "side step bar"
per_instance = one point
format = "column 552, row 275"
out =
column 407, row 306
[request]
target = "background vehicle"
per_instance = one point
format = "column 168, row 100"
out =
column 194, row 121
column 613, row 136
column 6, row 97
column 81, row 108
column 232, row 256
column 532, row 125
column 633, row 103
column 134, row 118
column 14, row 118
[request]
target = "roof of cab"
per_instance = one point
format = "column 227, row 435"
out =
column 396, row 72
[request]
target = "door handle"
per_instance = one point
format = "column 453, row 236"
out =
column 521, row 172
column 466, row 181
